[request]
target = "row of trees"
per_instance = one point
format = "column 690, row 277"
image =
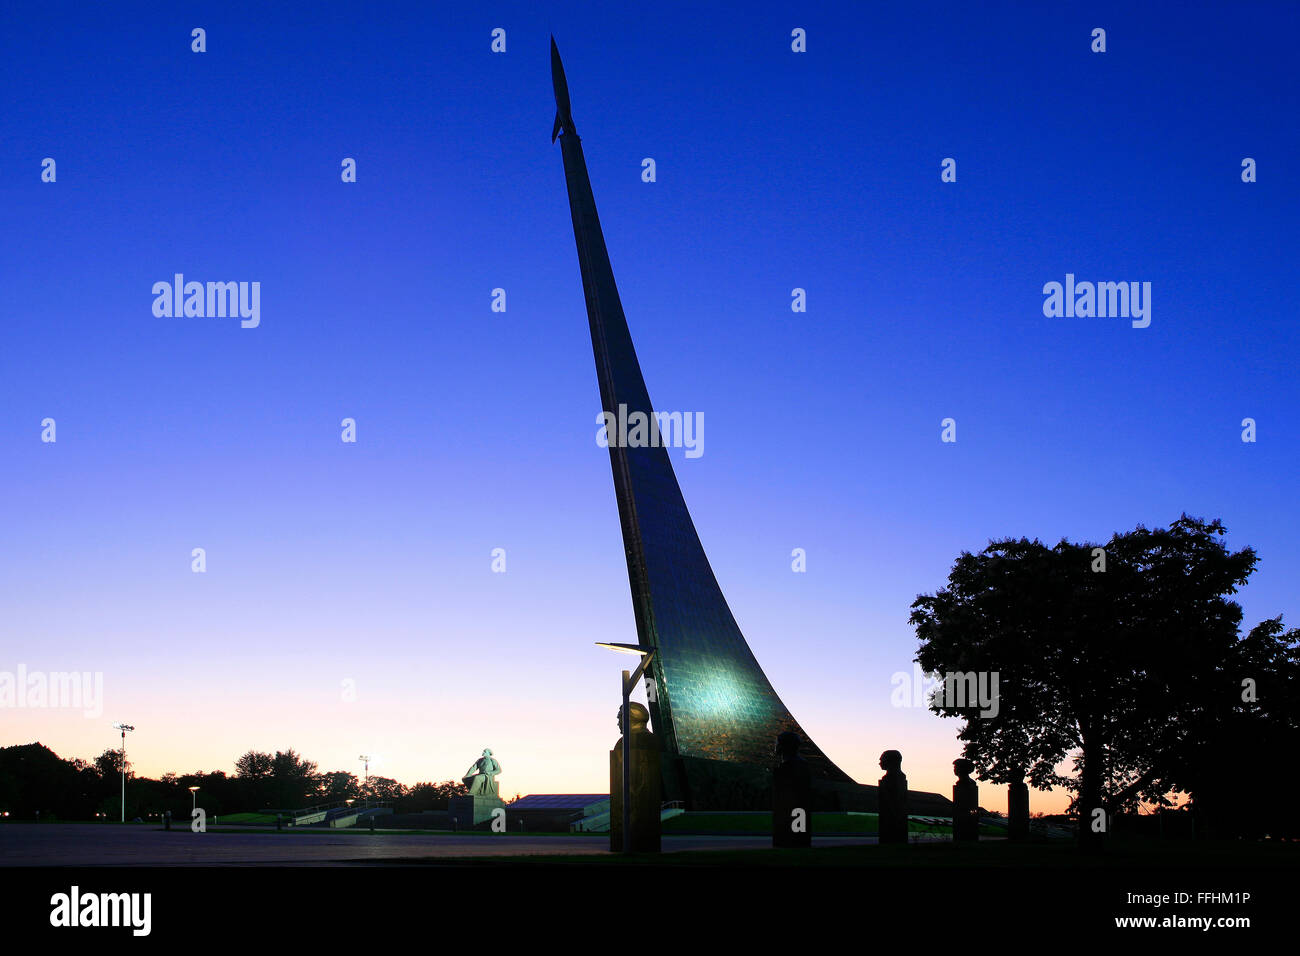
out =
column 34, row 780
column 1124, row 661
column 285, row 780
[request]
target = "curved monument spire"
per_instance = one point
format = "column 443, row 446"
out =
column 710, row 702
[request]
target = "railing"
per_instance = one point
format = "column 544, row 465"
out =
column 328, row 808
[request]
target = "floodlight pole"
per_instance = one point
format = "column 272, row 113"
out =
column 124, row 728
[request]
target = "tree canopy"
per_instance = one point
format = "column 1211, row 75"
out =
column 1125, row 657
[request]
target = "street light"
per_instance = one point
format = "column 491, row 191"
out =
column 124, row 728
column 366, row 760
column 194, row 799
column 630, row 680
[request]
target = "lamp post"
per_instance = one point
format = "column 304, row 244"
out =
column 365, row 759
column 630, row 680
column 194, row 799
column 124, row 728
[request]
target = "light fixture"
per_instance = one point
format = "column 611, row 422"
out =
column 124, row 728
column 630, row 680
column 638, row 649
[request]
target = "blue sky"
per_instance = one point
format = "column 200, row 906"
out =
column 371, row 561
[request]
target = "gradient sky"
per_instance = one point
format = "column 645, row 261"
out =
column 372, row 562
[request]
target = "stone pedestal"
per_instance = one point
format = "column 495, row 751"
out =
column 1018, row 811
column 965, row 804
column 472, row 813
column 892, row 794
column 791, row 792
column 646, row 799
column 791, row 795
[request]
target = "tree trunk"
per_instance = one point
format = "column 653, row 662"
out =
column 1093, row 826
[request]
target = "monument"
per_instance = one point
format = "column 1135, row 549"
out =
column 646, row 792
column 478, row 806
column 712, row 707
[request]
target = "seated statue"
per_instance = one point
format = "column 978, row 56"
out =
column 480, row 779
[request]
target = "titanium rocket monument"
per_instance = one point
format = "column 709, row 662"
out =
column 711, row 705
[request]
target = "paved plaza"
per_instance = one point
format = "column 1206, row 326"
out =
column 93, row 844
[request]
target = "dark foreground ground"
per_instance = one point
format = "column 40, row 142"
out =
column 570, row 890
column 72, row 844
column 96, row 844
column 90, row 845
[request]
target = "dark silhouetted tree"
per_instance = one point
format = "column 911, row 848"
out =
column 109, row 764
column 294, row 779
column 1242, row 748
column 382, row 788
column 337, row 785
column 1132, row 671
column 256, row 788
column 431, row 796
column 254, row 765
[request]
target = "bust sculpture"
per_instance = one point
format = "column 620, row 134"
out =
column 645, row 781
column 638, row 715
column 480, row 778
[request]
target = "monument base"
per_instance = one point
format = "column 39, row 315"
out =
column 472, row 813
column 702, row 784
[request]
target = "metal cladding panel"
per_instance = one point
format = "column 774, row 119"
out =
column 711, row 698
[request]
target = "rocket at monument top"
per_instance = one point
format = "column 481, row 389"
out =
column 563, row 118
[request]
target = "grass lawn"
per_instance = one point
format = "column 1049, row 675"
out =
column 245, row 818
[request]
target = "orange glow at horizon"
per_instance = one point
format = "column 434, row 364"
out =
column 200, row 726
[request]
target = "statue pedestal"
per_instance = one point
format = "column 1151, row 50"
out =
column 647, row 795
column 469, row 813
column 1018, row 811
column 965, row 811
column 892, row 797
column 791, row 792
